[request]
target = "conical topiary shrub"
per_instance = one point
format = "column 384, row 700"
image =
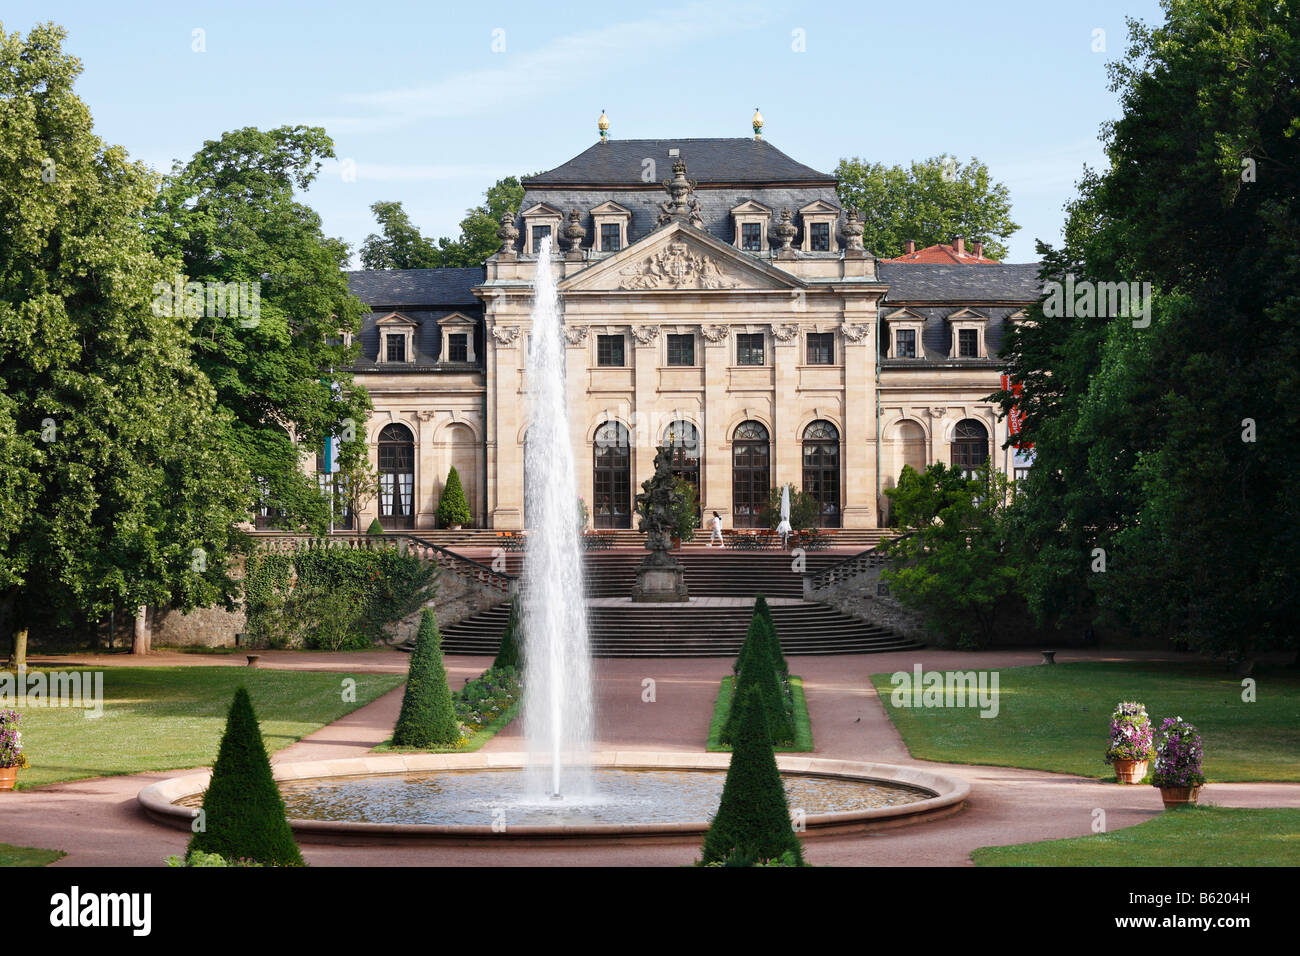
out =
column 428, row 718
column 757, row 670
column 774, row 639
column 453, row 509
column 753, row 819
column 508, row 652
column 243, row 812
column 375, row 527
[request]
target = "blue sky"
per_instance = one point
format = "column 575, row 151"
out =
column 430, row 114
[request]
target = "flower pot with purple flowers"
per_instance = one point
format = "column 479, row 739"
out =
column 1178, row 763
column 12, row 758
column 1130, row 749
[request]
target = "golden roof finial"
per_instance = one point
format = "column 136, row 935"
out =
column 758, row 124
column 603, row 125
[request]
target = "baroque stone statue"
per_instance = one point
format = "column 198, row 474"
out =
column 661, row 576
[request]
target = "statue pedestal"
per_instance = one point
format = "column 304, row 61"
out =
column 661, row 578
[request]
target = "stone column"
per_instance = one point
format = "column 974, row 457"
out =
column 859, row 474
column 787, row 462
column 645, row 372
column 506, row 343
column 715, row 453
column 576, row 382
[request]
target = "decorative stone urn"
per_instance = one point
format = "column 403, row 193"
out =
column 574, row 232
column 784, row 231
column 661, row 577
column 852, row 232
column 507, row 232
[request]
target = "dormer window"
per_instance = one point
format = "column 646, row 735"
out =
column 540, row 221
column 752, row 219
column 819, row 220
column 967, row 327
column 457, row 338
column 610, row 221
column 905, row 328
column 396, row 339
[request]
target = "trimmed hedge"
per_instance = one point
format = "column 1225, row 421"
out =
column 428, row 718
column 758, row 670
column 753, row 819
column 244, row 815
column 452, row 506
column 508, row 654
column 773, row 639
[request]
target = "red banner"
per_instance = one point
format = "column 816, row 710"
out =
column 1015, row 417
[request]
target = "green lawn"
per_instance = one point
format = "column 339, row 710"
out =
column 1057, row 718
column 1188, row 836
column 11, row 855
column 169, row 718
column 803, row 741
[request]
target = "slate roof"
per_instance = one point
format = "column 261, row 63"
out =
column 621, row 162
column 1006, row 282
column 426, row 287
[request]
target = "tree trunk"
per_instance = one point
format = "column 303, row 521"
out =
column 18, row 657
column 143, row 637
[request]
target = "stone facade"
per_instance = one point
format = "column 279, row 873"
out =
column 739, row 298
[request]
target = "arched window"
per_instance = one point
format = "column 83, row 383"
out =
column 821, row 470
column 751, row 455
column 970, row 445
column 682, row 439
column 396, row 477
column 611, row 500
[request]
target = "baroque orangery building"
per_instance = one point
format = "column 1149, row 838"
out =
column 717, row 299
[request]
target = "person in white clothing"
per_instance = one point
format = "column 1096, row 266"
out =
column 716, row 524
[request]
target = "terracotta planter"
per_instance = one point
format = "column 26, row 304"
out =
column 1131, row 771
column 1179, row 796
column 8, row 777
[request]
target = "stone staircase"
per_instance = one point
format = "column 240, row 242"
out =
column 849, row 539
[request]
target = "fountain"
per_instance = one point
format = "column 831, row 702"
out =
column 557, row 659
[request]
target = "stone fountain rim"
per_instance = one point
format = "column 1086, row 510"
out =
column 950, row 793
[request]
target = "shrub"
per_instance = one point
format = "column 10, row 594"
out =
column 753, row 819
column 243, row 811
column 1130, row 733
column 508, row 652
column 375, row 527
column 1178, row 755
column 487, row 697
column 453, row 509
column 773, row 639
column 427, row 718
column 758, row 670
column 804, row 509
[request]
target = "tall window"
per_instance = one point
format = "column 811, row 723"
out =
column 682, row 439
column 539, row 233
column 821, row 348
column 751, row 455
column 458, row 347
column 612, row 477
column 749, row 349
column 819, row 237
column 968, row 343
column 751, row 236
column 681, row 350
column 905, row 343
column 396, row 477
column 609, row 350
column 395, row 346
column 970, row 445
column 611, row 236
column 821, row 470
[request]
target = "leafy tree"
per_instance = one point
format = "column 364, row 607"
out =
column 243, row 811
column 401, row 246
column 229, row 216
column 753, row 819
column 1168, row 447
column 428, row 718
column 953, row 561
column 453, row 509
column 117, row 489
column 931, row 201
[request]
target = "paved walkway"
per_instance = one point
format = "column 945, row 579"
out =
column 98, row 821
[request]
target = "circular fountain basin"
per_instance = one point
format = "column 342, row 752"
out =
column 473, row 797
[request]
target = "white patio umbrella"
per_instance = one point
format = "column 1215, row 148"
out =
column 785, row 502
